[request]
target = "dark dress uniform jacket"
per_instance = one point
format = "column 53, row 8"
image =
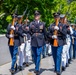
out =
column 16, row 35
column 22, row 30
column 61, row 34
column 27, row 31
column 38, row 33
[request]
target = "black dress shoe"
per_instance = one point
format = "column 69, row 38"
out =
column 55, row 71
column 16, row 68
column 12, row 71
column 36, row 72
column 49, row 54
column 67, row 65
column 24, row 63
column 63, row 68
column 74, row 57
column 27, row 64
column 20, row 68
column 69, row 61
column 44, row 56
column 58, row 73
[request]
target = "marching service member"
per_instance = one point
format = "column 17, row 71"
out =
column 27, row 50
column 57, row 33
column 38, row 34
column 13, row 36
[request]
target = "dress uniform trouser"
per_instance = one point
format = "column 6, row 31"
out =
column 49, row 49
column 21, row 54
column 44, row 50
column 27, row 52
column 74, row 49
column 11, row 51
column 70, row 51
column 67, row 54
column 14, row 58
column 37, row 56
column 64, row 56
column 68, row 42
column 56, row 52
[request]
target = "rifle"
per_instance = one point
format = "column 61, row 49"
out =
column 23, row 14
column 27, row 18
column 55, row 33
column 25, row 37
column 11, row 42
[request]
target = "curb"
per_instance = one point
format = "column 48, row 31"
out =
column 2, row 35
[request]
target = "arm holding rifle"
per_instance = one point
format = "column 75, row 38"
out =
column 11, row 40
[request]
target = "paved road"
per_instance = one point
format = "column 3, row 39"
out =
column 46, row 68
column 4, row 51
column 46, row 64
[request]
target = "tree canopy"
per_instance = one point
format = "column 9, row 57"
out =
column 46, row 7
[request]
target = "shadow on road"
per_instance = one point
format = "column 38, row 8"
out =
column 42, row 70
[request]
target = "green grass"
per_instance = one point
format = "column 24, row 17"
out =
column 2, row 31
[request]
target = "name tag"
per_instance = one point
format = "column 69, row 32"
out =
column 41, row 27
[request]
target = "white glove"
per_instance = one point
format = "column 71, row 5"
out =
column 54, row 37
column 27, row 28
column 56, row 28
column 29, row 41
column 11, row 36
column 12, row 27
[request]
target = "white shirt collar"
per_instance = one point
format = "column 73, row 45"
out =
column 38, row 21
